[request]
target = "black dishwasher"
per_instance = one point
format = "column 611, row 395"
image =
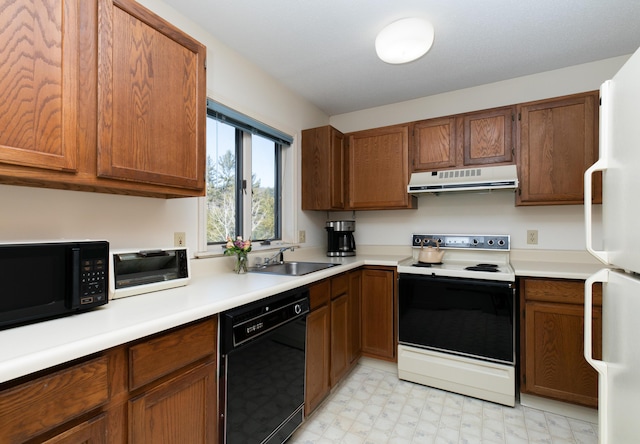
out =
column 262, row 369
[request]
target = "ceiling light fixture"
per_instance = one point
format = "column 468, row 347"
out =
column 404, row 40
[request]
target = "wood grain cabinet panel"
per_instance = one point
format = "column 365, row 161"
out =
column 552, row 341
column 558, row 141
column 379, row 169
column 488, row 136
column 339, row 337
column 333, row 335
column 464, row 140
column 151, row 99
column 180, row 410
column 378, row 313
column 434, row 144
column 166, row 353
column 318, row 355
column 324, row 173
column 37, row 406
column 93, row 431
column 355, row 319
column 38, row 93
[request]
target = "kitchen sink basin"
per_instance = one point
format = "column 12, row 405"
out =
column 293, row 268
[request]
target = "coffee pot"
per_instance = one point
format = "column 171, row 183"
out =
column 340, row 240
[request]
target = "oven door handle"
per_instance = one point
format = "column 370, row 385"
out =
column 478, row 282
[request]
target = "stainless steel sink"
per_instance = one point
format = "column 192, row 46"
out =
column 293, row 268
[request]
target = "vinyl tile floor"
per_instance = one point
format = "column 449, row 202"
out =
column 373, row 406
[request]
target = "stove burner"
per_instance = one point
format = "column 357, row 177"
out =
column 492, row 268
column 425, row 264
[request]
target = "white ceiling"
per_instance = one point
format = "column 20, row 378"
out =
column 324, row 49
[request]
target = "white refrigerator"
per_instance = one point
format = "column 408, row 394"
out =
column 619, row 369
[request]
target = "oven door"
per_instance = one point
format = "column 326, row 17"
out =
column 466, row 317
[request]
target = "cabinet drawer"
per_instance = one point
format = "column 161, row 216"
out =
column 319, row 294
column 339, row 285
column 168, row 352
column 559, row 290
column 37, row 406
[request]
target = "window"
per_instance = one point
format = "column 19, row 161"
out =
column 244, row 191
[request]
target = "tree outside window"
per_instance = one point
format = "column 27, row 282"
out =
column 226, row 193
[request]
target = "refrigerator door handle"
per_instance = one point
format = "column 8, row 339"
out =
column 599, row 276
column 601, row 165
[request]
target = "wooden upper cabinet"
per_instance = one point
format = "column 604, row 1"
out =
column 38, row 94
column 151, row 99
column 379, row 169
column 323, row 169
column 464, row 140
column 558, row 141
column 488, row 136
column 434, row 144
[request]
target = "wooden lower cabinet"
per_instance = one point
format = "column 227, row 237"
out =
column 44, row 404
column 552, row 340
column 379, row 293
column 318, row 349
column 93, row 431
column 355, row 319
column 177, row 411
column 339, row 337
column 332, row 338
column 93, row 400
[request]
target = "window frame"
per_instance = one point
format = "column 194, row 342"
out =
column 243, row 151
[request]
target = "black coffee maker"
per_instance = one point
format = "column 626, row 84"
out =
column 340, row 238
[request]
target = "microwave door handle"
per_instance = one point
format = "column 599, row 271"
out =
column 75, row 278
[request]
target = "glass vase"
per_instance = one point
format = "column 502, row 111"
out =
column 242, row 263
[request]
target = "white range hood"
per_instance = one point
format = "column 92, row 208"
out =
column 502, row 177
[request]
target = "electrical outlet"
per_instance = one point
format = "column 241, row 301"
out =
column 179, row 239
column 302, row 236
column 532, row 237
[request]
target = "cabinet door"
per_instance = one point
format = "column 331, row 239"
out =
column 323, row 169
column 489, row 136
column 339, row 338
column 378, row 326
column 379, row 168
column 317, row 367
column 434, row 144
column 39, row 85
column 93, row 431
column 355, row 324
column 182, row 410
column 557, row 143
column 151, row 99
column 555, row 364
column 40, row 405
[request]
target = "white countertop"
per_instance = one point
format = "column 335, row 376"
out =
column 30, row 348
column 560, row 264
column 35, row 347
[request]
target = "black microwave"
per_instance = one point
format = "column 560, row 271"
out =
column 41, row 281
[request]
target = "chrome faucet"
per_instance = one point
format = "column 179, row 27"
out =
column 279, row 255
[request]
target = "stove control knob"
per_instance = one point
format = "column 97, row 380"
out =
column 501, row 242
column 475, row 242
column 490, row 242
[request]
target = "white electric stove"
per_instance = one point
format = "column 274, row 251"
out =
column 456, row 321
